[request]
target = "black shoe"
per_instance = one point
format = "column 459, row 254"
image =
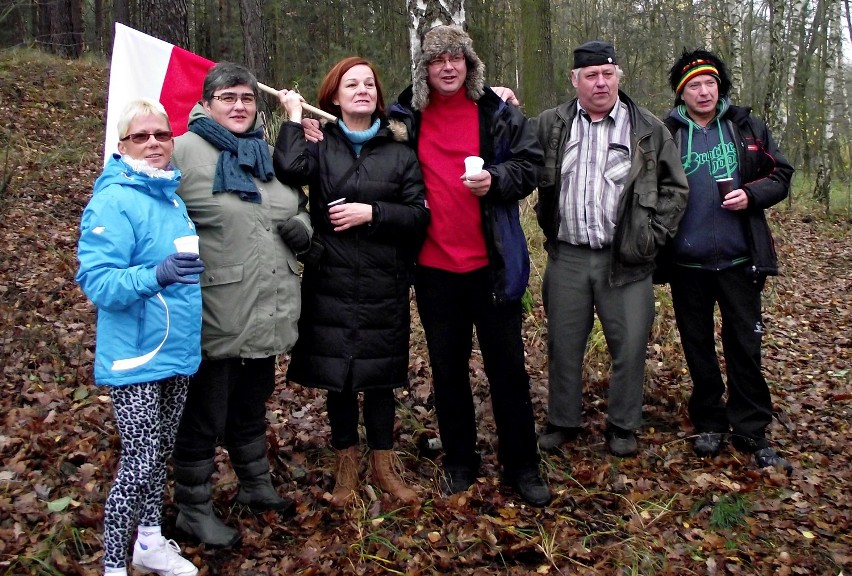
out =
column 457, row 479
column 556, row 436
column 766, row 457
column 708, row 443
column 621, row 442
column 530, row 486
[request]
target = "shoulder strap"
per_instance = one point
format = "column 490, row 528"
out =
column 350, row 171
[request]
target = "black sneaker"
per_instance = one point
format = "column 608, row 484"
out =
column 556, row 436
column 708, row 443
column 766, row 457
column 621, row 442
column 530, row 486
column 457, row 479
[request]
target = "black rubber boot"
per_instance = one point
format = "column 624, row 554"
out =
column 252, row 468
column 196, row 517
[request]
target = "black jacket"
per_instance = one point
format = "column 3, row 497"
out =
column 355, row 300
column 512, row 155
column 765, row 176
column 652, row 201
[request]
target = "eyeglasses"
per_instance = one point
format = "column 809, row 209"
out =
column 231, row 98
column 454, row 60
column 143, row 137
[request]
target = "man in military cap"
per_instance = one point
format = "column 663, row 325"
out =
column 611, row 194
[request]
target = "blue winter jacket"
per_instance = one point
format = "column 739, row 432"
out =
column 144, row 332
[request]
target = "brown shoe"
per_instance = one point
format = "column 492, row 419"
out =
column 346, row 478
column 385, row 465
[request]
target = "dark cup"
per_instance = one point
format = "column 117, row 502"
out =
column 725, row 186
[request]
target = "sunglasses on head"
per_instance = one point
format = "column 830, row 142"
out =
column 142, row 137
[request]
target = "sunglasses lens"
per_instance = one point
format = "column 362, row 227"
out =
column 142, row 137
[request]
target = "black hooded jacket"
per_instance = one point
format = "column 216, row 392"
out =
column 764, row 174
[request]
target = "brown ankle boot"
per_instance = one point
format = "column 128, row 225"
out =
column 346, row 478
column 384, row 465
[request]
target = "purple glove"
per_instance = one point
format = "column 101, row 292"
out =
column 178, row 267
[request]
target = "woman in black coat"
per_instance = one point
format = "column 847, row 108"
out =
column 369, row 218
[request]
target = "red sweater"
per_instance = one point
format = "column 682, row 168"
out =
column 449, row 132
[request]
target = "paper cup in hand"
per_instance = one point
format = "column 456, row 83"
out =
column 187, row 244
column 725, row 186
column 472, row 166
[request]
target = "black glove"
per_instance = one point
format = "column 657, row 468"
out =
column 178, row 267
column 295, row 234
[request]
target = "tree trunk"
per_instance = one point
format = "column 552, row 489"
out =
column 537, row 85
column 166, row 20
column 774, row 88
column 255, row 38
column 424, row 15
column 60, row 23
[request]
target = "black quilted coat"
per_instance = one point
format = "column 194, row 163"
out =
column 355, row 323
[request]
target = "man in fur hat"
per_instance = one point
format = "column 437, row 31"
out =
column 463, row 274
column 611, row 194
column 722, row 254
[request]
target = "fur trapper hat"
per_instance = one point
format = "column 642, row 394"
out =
column 446, row 40
column 694, row 63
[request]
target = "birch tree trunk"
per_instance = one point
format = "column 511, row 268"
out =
column 424, row 15
column 774, row 89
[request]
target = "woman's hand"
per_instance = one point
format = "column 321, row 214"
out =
column 291, row 101
column 346, row 216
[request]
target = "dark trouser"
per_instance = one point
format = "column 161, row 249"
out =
column 749, row 408
column 379, row 410
column 226, row 402
column 576, row 284
column 450, row 305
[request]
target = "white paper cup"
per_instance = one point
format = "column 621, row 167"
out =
column 473, row 166
column 187, row 244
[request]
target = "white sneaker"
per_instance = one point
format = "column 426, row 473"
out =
column 163, row 559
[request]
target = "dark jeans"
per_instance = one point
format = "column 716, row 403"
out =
column 749, row 408
column 226, row 402
column 450, row 305
column 379, row 409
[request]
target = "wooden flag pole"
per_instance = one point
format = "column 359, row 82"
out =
column 305, row 107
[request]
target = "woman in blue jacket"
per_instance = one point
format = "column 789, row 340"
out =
column 148, row 339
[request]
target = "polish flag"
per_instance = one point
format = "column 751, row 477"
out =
column 146, row 67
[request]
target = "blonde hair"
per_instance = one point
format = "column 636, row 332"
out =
column 140, row 107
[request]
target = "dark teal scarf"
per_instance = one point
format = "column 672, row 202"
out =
column 243, row 156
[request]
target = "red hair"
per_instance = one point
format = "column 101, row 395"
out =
column 331, row 82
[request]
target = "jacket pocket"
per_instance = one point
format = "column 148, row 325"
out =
column 222, row 298
column 638, row 243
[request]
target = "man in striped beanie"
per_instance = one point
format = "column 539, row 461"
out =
column 722, row 253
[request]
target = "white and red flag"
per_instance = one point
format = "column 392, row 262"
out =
column 147, row 67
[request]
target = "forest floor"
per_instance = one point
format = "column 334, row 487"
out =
column 665, row 511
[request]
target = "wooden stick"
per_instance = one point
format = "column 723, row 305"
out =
column 305, row 106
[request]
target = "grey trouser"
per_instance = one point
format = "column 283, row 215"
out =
column 576, row 284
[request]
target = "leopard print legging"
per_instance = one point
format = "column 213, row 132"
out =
column 147, row 416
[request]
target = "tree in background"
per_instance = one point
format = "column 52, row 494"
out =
column 788, row 52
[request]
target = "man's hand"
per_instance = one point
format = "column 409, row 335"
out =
column 313, row 133
column 736, row 200
column 479, row 183
column 506, row 94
